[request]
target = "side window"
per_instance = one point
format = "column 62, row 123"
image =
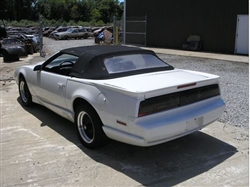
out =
column 61, row 65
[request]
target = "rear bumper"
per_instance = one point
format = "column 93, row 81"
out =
column 168, row 125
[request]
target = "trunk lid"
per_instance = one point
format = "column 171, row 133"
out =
column 159, row 83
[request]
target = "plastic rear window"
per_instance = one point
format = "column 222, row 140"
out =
column 125, row 63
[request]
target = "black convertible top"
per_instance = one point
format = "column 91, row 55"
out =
column 106, row 50
column 90, row 63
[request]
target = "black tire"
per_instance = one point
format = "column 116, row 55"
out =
column 89, row 127
column 24, row 92
column 85, row 36
column 97, row 40
column 29, row 49
column 34, row 49
column 65, row 37
column 10, row 58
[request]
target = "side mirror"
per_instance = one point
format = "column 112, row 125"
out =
column 37, row 68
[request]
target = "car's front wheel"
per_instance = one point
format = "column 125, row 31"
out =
column 89, row 127
column 24, row 92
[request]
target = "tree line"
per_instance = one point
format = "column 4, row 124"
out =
column 94, row 11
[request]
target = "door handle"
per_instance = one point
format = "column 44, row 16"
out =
column 60, row 85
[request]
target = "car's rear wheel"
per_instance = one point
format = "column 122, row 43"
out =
column 89, row 127
column 24, row 92
column 85, row 36
column 65, row 37
column 29, row 49
column 97, row 40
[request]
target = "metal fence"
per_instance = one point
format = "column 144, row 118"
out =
column 135, row 32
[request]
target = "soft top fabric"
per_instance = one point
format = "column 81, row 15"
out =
column 90, row 63
column 102, row 50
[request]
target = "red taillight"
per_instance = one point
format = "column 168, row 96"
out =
column 121, row 123
column 174, row 100
column 140, row 115
column 186, row 85
column 158, row 104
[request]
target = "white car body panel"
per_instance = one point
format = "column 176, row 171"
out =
column 153, row 84
column 117, row 102
column 167, row 125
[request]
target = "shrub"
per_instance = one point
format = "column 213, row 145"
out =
column 53, row 23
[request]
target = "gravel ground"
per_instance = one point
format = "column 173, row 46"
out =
column 234, row 81
column 234, row 84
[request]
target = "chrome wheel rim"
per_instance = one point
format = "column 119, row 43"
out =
column 23, row 91
column 85, row 127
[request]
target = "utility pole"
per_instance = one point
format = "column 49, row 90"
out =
column 42, row 53
column 124, row 22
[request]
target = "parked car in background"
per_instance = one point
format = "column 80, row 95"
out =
column 72, row 33
column 124, row 93
column 17, row 42
column 48, row 31
column 57, row 30
column 87, row 32
column 22, row 30
column 3, row 32
column 45, row 29
column 31, row 42
column 12, row 48
column 101, row 29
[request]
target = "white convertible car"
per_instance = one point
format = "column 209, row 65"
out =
column 124, row 93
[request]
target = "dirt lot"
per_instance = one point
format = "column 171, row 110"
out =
column 39, row 148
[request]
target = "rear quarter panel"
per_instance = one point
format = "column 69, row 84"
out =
column 109, row 104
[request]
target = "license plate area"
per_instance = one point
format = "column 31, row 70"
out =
column 194, row 123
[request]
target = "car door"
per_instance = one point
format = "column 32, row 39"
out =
column 51, row 82
column 74, row 33
column 81, row 33
column 52, row 90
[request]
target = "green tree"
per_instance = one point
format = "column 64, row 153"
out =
column 65, row 10
column 4, row 9
column 95, row 15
